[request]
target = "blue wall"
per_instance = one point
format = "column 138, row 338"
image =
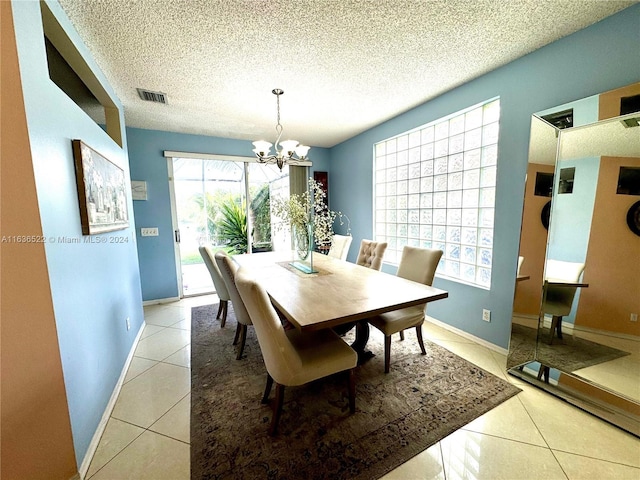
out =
column 94, row 286
column 146, row 151
column 571, row 212
column 599, row 58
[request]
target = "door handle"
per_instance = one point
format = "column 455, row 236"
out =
column 177, row 235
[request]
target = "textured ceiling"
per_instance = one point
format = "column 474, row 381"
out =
column 610, row 138
column 345, row 65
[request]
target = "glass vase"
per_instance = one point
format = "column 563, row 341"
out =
column 303, row 248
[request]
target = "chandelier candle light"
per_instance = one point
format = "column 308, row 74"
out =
column 290, row 151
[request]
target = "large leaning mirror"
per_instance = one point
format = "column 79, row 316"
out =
column 575, row 331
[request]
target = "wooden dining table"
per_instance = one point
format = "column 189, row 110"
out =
column 339, row 293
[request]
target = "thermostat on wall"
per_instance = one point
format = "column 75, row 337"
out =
column 138, row 190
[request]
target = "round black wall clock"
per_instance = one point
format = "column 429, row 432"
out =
column 545, row 214
column 633, row 218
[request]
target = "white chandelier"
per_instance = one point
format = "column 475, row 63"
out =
column 290, row 151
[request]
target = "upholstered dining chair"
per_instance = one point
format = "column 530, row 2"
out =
column 228, row 270
column 291, row 357
column 558, row 292
column 419, row 265
column 371, row 254
column 340, row 246
column 218, row 283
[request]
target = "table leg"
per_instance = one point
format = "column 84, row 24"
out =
column 360, row 343
column 362, row 337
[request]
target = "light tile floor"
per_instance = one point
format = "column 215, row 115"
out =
column 530, row 436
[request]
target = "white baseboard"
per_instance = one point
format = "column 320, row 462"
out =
column 468, row 336
column 158, row 301
column 95, row 440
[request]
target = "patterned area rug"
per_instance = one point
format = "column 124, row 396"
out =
column 569, row 354
column 398, row 415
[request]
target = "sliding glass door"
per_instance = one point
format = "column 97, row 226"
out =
column 224, row 204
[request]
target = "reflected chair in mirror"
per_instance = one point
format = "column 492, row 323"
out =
column 228, row 270
column 418, row 265
column 520, row 262
column 218, row 283
column 340, row 246
column 560, row 286
column 371, row 254
column 291, row 357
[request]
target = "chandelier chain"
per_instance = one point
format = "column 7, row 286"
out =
column 278, row 125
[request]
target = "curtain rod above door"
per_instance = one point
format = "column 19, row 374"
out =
column 228, row 158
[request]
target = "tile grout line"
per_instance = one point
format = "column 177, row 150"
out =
column 148, row 429
column 593, row 458
column 144, row 430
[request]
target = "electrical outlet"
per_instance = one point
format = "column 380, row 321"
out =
column 486, row 315
column 128, row 324
column 634, row 317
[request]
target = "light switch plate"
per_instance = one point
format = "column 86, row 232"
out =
column 149, row 231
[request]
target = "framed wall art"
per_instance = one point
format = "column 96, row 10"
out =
column 101, row 191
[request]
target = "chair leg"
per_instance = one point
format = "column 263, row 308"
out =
column 401, row 335
column 277, row 409
column 225, row 307
column 559, row 328
column 554, row 325
column 543, row 371
column 243, row 337
column 387, row 352
column 352, row 391
column 420, row 341
column 267, row 389
column 237, row 335
column 219, row 309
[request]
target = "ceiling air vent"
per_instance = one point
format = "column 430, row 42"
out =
column 149, row 96
column 631, row 122
column 561, row 120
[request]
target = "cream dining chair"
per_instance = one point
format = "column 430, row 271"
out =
column 520, row 262
column 340, row 246
column 371, row 254
column 218, row 283
column 291, row 357
column 558, row 293
column 228, row 270
column 418, row 265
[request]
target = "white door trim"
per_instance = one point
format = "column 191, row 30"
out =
column 176, row 228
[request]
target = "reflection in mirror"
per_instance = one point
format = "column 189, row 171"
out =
column 579, row 285
column 589, row 229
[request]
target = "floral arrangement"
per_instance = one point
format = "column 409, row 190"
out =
column 302, row 210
